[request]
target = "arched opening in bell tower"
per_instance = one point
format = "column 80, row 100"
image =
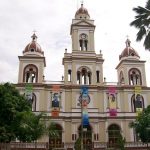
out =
column 84, row 76
column 30, row 74
column 135, row 77
column 83, row 42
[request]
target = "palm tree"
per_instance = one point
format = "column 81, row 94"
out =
column 142, row 23
column 29, row 127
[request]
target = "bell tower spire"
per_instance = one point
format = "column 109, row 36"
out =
column 82, row 31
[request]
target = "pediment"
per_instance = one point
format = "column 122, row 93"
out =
column 83, row 23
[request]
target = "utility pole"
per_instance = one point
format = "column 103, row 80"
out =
column 81, row 124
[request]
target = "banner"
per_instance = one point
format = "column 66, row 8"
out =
column 84, row 100
column 28, row 92
column 112, row 101
column 138, row 99
column 137, row 90
column 85, row 117
column 55, row 100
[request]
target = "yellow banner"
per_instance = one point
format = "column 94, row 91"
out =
column 137, row 89
column 138, row 111
column 112, row 101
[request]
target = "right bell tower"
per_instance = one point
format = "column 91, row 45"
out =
column 131, row 70
column 83, row 66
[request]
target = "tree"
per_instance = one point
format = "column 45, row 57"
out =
column 11, row 103
column 142, row 125
column 77, row 145
column 52, row 130
column 142, row 23
column 121, row 142
column 29, row 127
column 16, row 118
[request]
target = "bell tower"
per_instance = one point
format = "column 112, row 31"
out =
column 83, row 66
column 32, row 63
column 131, row 70
column 82, row 31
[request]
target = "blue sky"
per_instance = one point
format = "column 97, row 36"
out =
column 52, row 19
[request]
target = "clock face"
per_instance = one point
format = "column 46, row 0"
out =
column 83, row 36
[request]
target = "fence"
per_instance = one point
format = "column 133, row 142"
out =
column 69, row 146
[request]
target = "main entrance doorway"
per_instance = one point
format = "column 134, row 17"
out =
column 87, row 136
column 113, row 135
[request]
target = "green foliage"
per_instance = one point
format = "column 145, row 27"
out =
column 77, row 144
column 121, row 142
column 11, row 103
column 52, row 130
column 142, row 22
column 16, row 118
column 29, row 127
column 142, row 125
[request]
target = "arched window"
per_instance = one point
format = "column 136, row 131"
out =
column 121, row 77
column 84, row 76
column 30, row 74
column 137, row 102
column 78, row 77
column 113, row 134
column 83, row 42
column 97, row 76
column 69, row 75
column 135, row 77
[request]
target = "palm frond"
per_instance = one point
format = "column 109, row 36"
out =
column 136, row 23
column 146, row 22
column 147, row 42
column 141, row 33
column 148, row 4
column 141, row 10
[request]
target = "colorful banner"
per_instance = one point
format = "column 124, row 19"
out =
column 113, row 112
column 137, row 90
column 85, row 117
column 28, row 92
column 84, row 100
column 55, row 100
column 138, row 99
column 55, row 88
column 112, row 101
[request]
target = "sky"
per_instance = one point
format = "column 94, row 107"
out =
column 51, row 19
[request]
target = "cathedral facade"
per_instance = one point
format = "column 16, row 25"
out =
column 83, row 104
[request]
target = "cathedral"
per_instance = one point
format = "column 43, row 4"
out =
column 83, row 104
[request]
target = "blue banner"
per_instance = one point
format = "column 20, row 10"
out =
column 85, row 118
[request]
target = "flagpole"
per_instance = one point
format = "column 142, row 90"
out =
column 81, row 125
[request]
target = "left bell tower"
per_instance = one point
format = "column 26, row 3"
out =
column 32, row 63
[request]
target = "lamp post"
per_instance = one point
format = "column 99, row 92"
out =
column 84, row 100
column 81, row 104
column 81, row 125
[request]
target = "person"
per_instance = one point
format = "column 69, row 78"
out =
column 55, row 101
